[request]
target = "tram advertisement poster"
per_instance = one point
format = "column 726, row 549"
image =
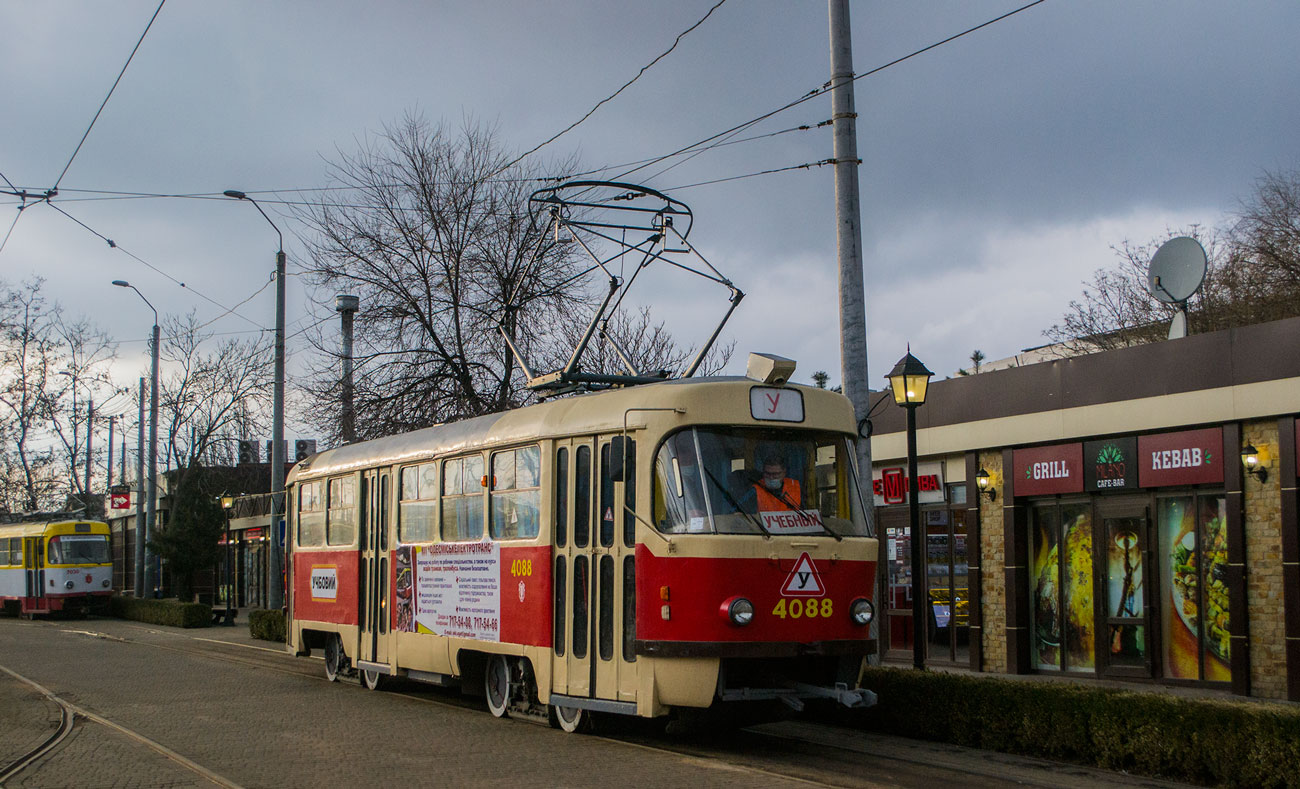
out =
column 458, row 589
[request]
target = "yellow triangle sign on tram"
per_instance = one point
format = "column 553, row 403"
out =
column 803, row 580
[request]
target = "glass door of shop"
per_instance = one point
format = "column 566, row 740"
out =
column 1123, row 553
column 947, row 592
column 896, row 630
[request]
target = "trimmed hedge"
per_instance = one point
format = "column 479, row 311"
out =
column 266, row 625
column 170, row 612
column 1190, row 739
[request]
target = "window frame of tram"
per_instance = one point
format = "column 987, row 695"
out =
column 1145, row 594
column 944, row 519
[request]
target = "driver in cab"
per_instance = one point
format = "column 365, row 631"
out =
column 774, row 491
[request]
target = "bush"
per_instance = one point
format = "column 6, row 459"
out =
column 1201, row 740
column 161, row 612
column 266, row 625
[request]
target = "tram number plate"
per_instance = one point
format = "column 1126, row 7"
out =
column 797, row 608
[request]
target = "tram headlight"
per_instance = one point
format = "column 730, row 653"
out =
column 69, row 584
column 738, row 611
column 104, row 583
column 861, row 611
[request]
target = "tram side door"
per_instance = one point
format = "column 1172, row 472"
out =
column 34, row 565
column 374, row 572
column 596, row 566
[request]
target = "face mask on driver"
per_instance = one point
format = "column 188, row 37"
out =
column 773, row 484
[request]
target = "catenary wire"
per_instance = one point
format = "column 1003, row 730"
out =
column 110, row 95
column 610, row 97
column 825, row 88
column 113, row 244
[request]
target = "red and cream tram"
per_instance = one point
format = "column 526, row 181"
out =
column 52, row 566
column 673, row 545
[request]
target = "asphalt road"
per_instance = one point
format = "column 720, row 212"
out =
column 162, row 707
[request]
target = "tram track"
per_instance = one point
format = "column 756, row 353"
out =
column 69, row 713
column 806, row 752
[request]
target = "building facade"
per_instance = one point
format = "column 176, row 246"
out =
column 1120, row 536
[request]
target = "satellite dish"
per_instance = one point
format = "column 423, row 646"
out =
column 1176, row 270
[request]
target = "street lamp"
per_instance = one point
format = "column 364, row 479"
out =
column 226, row 503
column 144, row 556
column 909, row 380
column 275, row 563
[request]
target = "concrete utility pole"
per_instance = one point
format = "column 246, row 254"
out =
column 90, row 432
column 275, row 557
column 152, row 580
column 347, row 308
column 848, row 238
column 108, row 467
column 139, row 498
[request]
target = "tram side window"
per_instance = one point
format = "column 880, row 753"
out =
column 561, row 496
column 516, row 493
column 311, row 515
column 419, row 503
column 16, row 551
column 462, row 499
column 342, row 526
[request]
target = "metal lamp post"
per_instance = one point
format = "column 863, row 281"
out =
column 275, row 563
column 150, row 577
column 226, row 503
column 909, row 380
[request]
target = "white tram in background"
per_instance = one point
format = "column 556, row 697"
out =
column 610, row 552
column 57, row 565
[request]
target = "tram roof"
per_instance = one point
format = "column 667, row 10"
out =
column 583, row 414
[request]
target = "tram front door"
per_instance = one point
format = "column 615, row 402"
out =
column 34, row 572
column 594, row 581
column 373, row 576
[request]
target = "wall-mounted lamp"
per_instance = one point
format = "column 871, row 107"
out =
column 1250, row 458
column 985, row 483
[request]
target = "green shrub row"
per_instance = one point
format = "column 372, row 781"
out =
column 1199, row 740
column 266, row 625
column 162, row 612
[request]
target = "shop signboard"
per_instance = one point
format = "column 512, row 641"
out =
column 1110, row 465
column 1188, row 457
column 889, row 484
column 1043, row 471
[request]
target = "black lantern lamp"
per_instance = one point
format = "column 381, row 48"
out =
column 1251, row 460
column 985, row 484
column 910, row 379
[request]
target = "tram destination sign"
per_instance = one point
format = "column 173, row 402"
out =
column 1110, row 465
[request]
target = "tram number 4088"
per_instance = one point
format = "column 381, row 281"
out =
column 521, row 568
column 797, row 608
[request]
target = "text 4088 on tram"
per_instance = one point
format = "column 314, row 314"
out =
column 681, row 545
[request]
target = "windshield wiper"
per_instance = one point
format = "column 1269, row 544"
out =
column 784, row 498
column 732, row 501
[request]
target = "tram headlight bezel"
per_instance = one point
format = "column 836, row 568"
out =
column 862, row 611
column 69, row 584
column 738, row 611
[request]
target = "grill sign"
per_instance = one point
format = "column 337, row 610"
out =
column 324, row 583
column 1110, row 465
column 1042, row 471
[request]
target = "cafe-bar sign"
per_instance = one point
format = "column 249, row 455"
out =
column 1189, row 457
column 1043, row 471
column 1110, row 465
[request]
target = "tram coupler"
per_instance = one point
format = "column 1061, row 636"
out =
column 853, row 699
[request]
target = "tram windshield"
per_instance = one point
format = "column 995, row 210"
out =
column 721, row 480
column 79, row 549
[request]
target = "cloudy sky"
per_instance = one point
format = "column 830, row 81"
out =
column 997, row 170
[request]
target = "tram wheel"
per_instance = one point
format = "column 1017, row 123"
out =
column 372, row 679
column 496, row 686
column 334, row 659
column 569, row 719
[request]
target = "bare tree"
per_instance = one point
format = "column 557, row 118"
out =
column 46, row 363
column 212, row 395
column 1252, row 276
